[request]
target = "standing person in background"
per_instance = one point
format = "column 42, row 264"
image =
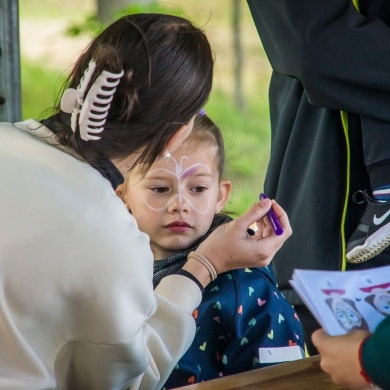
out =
column 242, row 316
column 330, row 122
column 77, row 306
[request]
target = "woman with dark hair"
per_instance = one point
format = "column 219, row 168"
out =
column 77, row 306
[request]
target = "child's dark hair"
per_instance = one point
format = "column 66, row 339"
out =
column 206, row 131
column 168, row 67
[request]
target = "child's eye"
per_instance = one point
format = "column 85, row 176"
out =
column 159, row 190
column 198, row 189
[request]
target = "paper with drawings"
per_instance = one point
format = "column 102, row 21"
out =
column 345, row 301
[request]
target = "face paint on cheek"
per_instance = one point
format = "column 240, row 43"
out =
column 160, row 203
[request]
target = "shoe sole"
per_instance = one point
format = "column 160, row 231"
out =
column 371, row 247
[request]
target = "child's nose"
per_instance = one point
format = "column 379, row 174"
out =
column 178, row 204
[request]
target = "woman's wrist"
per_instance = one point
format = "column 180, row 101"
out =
column 205, row 262
column 200, row 268
column 189, row 275
column 362, row 370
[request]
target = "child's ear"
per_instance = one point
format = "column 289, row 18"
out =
column 119, row 191
column 225, row 188
column 121, row 194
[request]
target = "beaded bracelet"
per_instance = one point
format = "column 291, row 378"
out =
column 205, row 262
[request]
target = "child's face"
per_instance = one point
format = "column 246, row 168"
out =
column 177, row 199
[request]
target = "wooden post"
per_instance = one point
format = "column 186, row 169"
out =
column 10, row 91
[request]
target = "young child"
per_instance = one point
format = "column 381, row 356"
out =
column 242, row 317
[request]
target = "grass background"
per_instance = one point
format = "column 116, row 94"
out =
column 47, row 54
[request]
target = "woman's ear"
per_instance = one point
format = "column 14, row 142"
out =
column 225, row 189
column 177, row 139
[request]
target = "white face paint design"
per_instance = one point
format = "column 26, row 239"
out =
column 181, row 175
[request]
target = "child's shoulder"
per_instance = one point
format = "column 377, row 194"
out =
column 242, row 277
column 249, row 273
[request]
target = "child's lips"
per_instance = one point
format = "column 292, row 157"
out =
column 178, row 226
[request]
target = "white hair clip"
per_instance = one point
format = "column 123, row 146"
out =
column 91, row 112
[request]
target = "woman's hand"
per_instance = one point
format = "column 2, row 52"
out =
column 340, row 357
column 230, row 246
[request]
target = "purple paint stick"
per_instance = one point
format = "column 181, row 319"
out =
column 273, row 219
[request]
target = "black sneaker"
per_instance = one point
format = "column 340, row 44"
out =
column 372, row 235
